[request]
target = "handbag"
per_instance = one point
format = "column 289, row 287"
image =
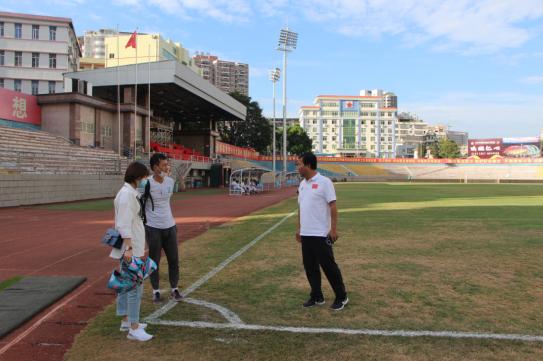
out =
column 113, row 238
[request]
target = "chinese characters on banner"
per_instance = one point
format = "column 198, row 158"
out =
column 19, row 107
column 485, row 148
column 227, row 149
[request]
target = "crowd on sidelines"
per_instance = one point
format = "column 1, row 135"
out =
column 143, row 216
column 245, row 187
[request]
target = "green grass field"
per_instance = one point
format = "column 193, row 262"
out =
column 418, row 257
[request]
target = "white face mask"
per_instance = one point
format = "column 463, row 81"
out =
column 162, row 174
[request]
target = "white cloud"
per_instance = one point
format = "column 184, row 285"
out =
column 484, row 115
column 471, row 27
column 222, row 10
column 532, row 80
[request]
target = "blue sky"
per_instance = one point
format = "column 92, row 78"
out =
column 476, row 65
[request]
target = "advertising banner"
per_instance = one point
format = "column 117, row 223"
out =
column 227, row 149
column 526, row 147
column 485, row 148
column 19, row 107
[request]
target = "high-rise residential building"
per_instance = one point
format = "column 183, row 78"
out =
column 351, row 126
column 390, row 100
column 460, row 138
column 35, row 51
column 94, row 42
column 151, row 47
column 225, row 75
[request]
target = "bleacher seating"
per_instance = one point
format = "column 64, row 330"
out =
column 368, row 170
column 174, row 151
column 44, row 152
column 334, row 168
column 241, row 164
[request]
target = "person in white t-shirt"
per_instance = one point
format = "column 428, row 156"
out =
column 160, row 228
column 317, row 232
column 237, row 187
column 254, row 189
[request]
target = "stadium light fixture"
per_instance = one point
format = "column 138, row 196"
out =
column 275, row 75
column 288, row 40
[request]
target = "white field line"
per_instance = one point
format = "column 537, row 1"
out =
column 398, row 333
column 234, row 322
column 152, row 318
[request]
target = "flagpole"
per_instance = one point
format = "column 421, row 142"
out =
column 136, row 99
column 149, row 94
column 118, row 94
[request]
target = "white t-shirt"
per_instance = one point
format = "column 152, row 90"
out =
column 314, row 196
column 161, row 217
column 128, row 221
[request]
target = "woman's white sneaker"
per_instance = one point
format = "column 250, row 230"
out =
column 139, row 334
column 125, row 326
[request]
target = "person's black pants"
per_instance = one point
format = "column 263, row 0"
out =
column 316, row 252
column 158, row 239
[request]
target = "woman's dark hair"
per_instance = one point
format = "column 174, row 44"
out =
column 155, row 160
column 135, row 171
column 309, row 159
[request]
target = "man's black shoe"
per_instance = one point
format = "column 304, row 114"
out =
column 313, row 301
column 339, row 303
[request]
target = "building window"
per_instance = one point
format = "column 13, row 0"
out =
column 349, row 133
column 35, row 87
column 325, row 130
column 330, row 104
column 373, row 147
column 389, row 130
column 373, row 130
column 18, row 58
column 1, row 57
column 373, row 114
column 324, row 121
column 324, row 138
column 314, row 121
column 87, row 127
column 17, row 85
column 363, row 139
column 382, row 147
column 167, row 55
column 373, row 139
column 35, row 32
column 382, row 122
column 111, row 55
column 373, row 122
column 349, row 114
column 363, row 122
column 35, row 60
column 389, row 147
column 367, row 105
column 52, row 33
column 334, row 121
column 334, row 146
column 324, row 146
column 334, row 138
column 315, row 137
column 106, row 131
column 390, row 139
column 330, row 113
column 314, row 130
column 390, row 122
column 333, row 130
column 363, row 130
column 52, row 61
column 18, row 31
column 2, row 29
column 382, row 139
column 52, row 86
column 1, row 83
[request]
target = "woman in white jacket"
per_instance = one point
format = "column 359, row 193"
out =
column 128, row 221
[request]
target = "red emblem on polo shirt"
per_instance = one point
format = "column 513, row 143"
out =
column 315, row 186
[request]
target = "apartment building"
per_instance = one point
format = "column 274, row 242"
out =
column 225, row 75
column 410, row 134
column 390, row 100
column 351, row 126
column 460, row 138
column 151, row 47
column 35, row 51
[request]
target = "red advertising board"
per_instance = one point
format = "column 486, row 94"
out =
column 19, row 107
column 227, row 149
column 485, row 148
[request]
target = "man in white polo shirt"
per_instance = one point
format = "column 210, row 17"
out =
column 317, row 231
column 160, row 228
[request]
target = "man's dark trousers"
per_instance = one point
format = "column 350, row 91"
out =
column 157, row 239
column 316, row 252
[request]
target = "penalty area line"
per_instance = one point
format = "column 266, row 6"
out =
column 398, row 333
column 153, row 318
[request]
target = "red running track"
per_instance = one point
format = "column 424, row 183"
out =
column 38, row 242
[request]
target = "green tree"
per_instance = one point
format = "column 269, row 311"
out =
column 448, row 149
column 298, row 140
column 255, row 132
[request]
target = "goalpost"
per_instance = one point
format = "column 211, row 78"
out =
column 481, row 175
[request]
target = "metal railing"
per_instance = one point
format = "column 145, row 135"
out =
column 58, row 163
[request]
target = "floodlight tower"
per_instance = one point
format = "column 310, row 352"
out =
column 287, row 43
column 275, row 75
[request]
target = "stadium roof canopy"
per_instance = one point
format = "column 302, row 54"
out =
column 177, row 93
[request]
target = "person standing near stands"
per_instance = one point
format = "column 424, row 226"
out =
column 317, row 231
column 160, row 229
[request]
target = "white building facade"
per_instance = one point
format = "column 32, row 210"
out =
column 350, row 126
column 35, row 51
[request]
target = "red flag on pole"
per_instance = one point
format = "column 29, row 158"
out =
column 132, row 41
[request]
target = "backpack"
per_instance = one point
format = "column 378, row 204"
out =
column 146, row 196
